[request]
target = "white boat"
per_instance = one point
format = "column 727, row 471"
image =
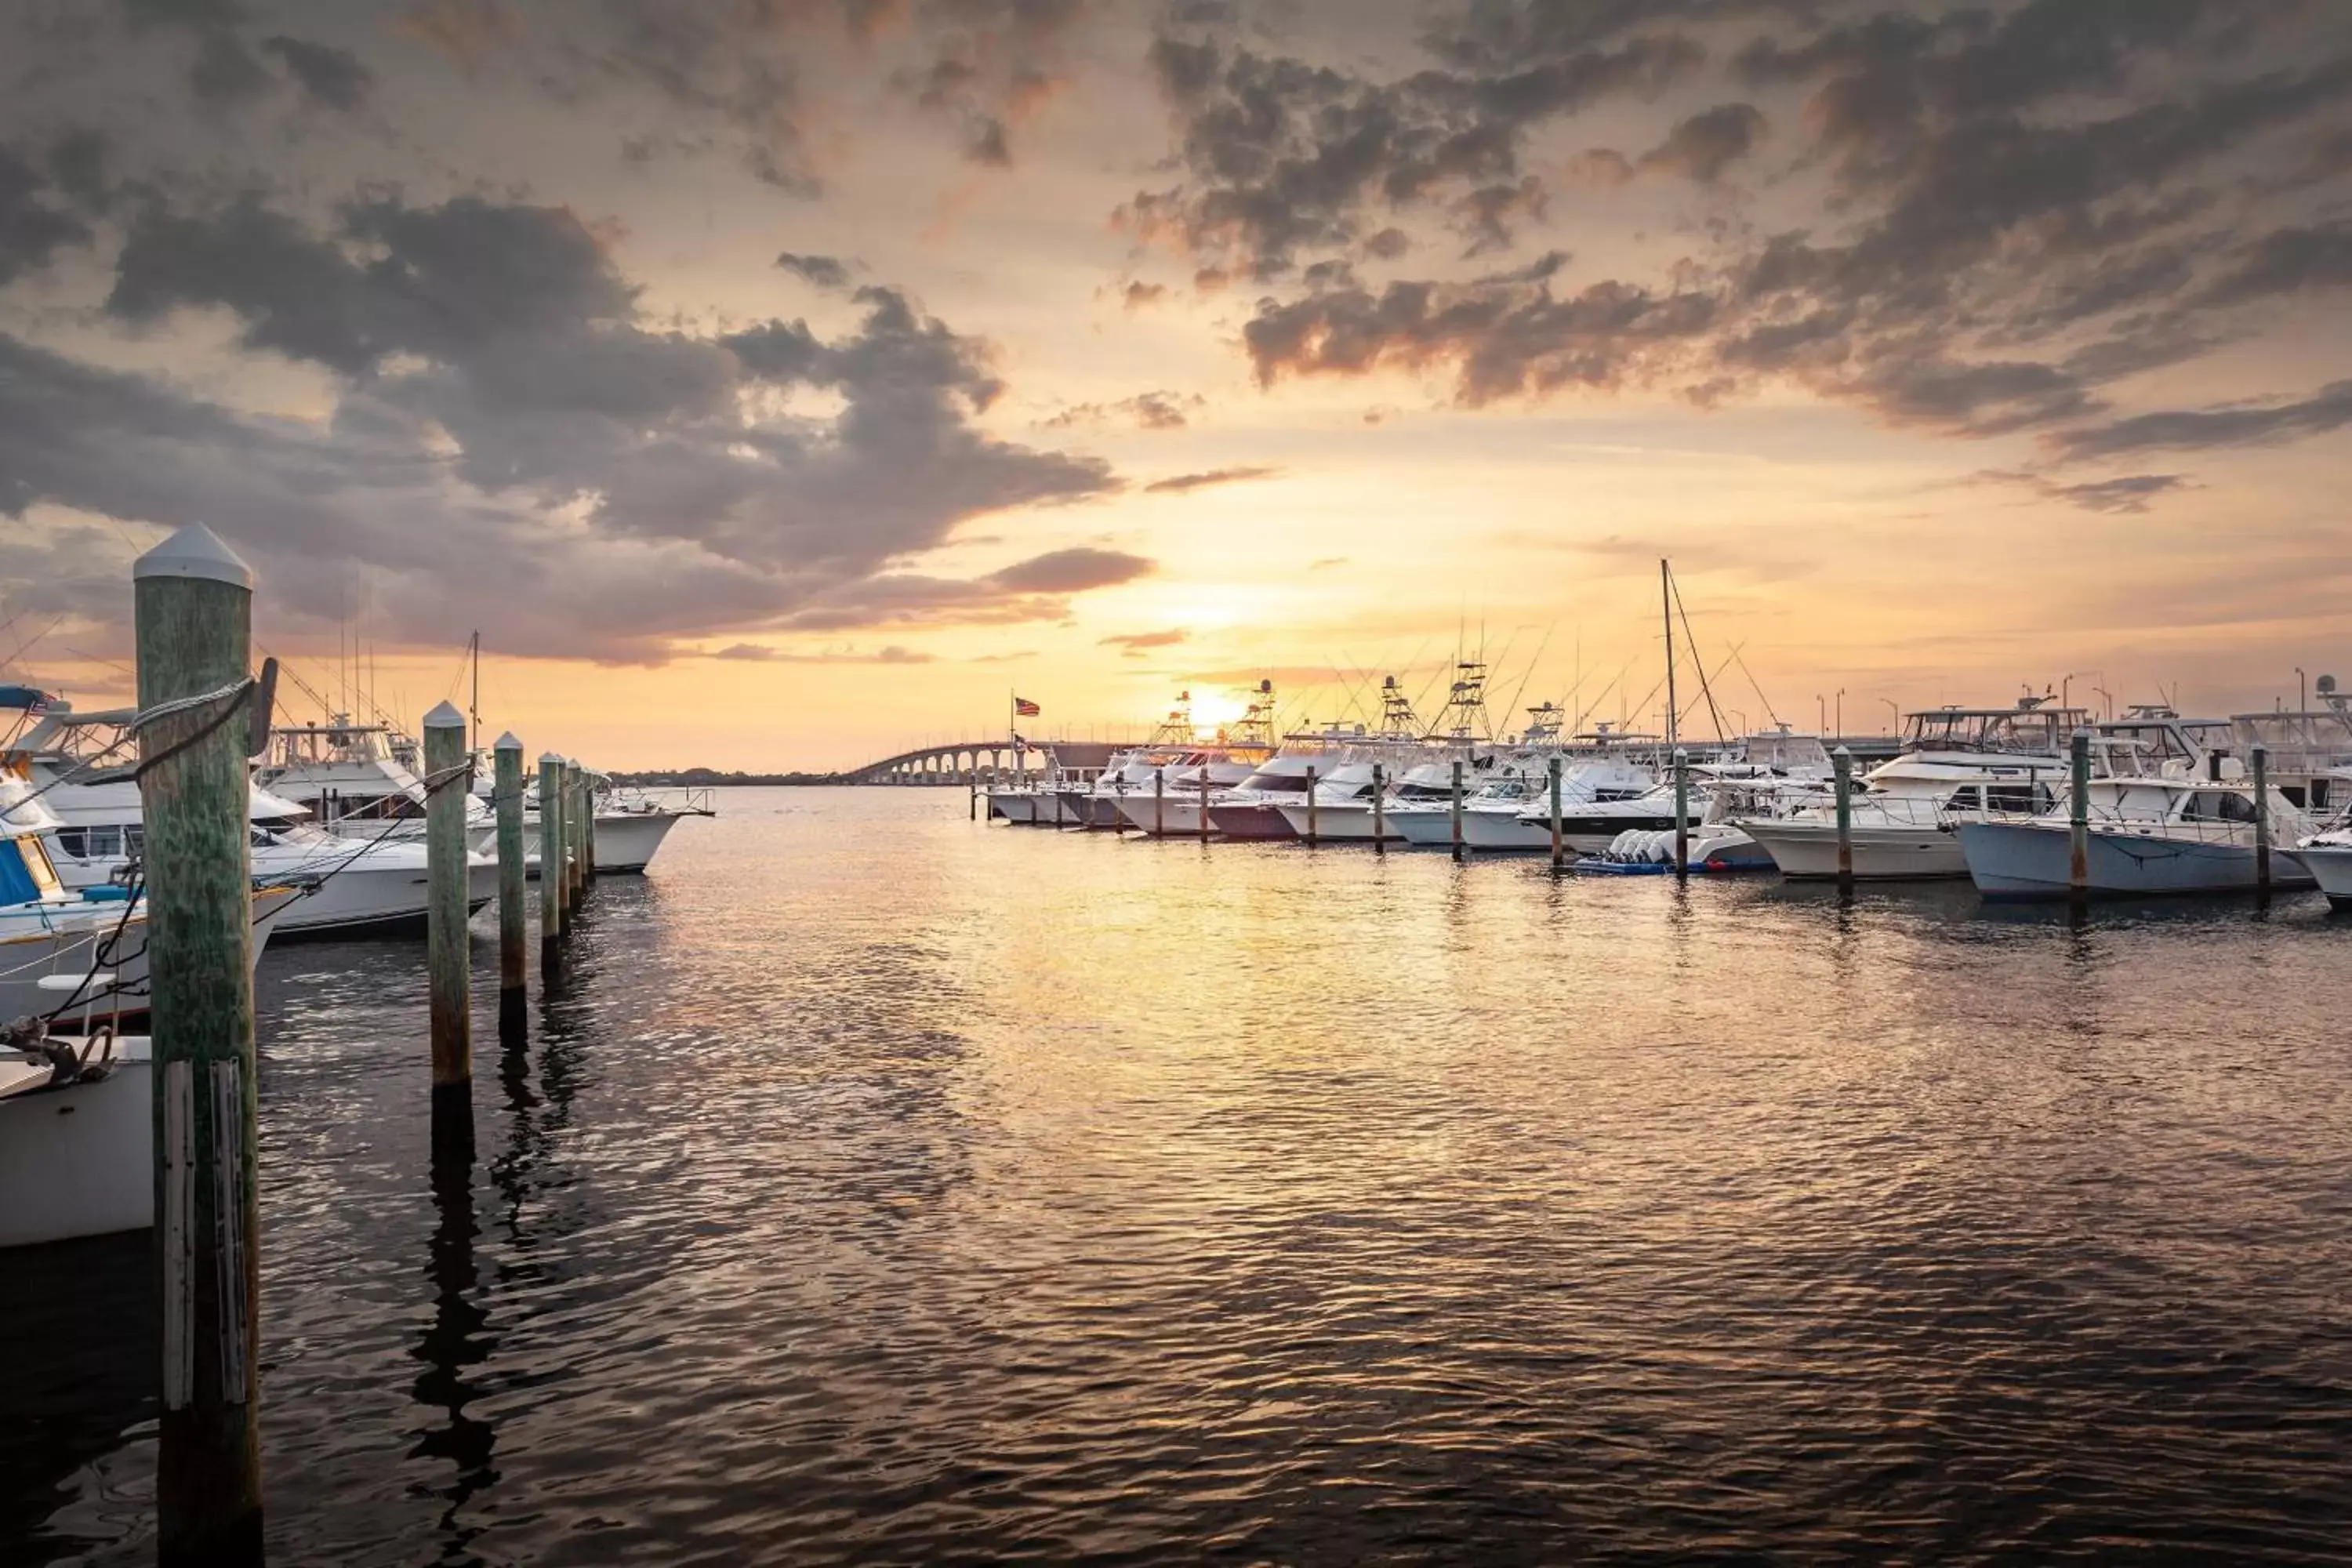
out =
column 1957, row 763
column 1186, row 790
column 2183, row 831
column 2326, row 858
column 631, row 825
column 65, row 951
column 358, row 781
column 77, row 1138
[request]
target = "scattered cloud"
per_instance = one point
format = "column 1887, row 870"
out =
column 1147, row 411
column 825, row 271
column 1133, row 644
column 1185, row 484
column 766, row 654
column 2227, row 425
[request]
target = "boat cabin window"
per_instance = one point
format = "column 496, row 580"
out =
column 1967, row 797
column 2218, row 805
column 2034, row 798
column 91, row 843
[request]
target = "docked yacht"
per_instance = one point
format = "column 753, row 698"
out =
column 359, row 780
column 351, row 887
column 1956, row 763
column 1178, row 798
column 2183, row 830
column 630, row 823
column 74, row 950
column 2326, row 858
column 1400, row 765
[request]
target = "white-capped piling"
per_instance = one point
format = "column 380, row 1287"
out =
column 1558, row 858
column 1841, row 765
column 2078, row 819
column 193, row 615
column 551, row 858
column 1311, row 823
column 2261, row 758
column 1682, row 812
column 449, row 963
column 1457, row 808
column 506, row 800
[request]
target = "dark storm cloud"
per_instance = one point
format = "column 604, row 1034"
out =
column 2030, row 201
column 37, row 216
column 330, row 77
column 495, row 374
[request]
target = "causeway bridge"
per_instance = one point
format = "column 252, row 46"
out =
column 963, row 763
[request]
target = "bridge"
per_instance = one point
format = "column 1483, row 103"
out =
column 964, row 762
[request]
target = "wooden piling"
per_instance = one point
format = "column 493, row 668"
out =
column 506, row 798
column 551, row 858
column 1682, row 812
column 1160, row 801
column 1557, row 856
column 194, row 617
column 575, row 834
column 1311, row 823
column 2260, row 757
column 1457, row 808
column 1380, row 814
column 449, row 963
column 1842, row 763
column 587, row 829
column 1204, row 804
column 2078, row 815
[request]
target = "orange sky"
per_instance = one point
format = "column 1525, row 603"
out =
column 911, row 355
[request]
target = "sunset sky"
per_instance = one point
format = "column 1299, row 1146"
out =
column 779, row 383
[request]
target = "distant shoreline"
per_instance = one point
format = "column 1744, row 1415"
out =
column 711, row 778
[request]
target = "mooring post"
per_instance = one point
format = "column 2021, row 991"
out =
column 1311, row 823
column 2261, row 759
column 2078, row 817
column 1204, row 804
column 1159, row 800
column 575, row 829
column 551, row 858
column 449, row 963
column 1380, row 814
column 1682, row 812
column 193, row 628
column 1457, row 808
column 587, row 829
column 1842, row 763
column 1557, row 858
column 506, row 798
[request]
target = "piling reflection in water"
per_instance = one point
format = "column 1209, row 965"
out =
column 878, row 1186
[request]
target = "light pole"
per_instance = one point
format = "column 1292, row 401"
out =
column 1841, row 711
column 2302, row 691
column 1822, row 703
column 2110, row 696
column 1893, row 716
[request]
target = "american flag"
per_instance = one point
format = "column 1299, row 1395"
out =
column 1025, row 709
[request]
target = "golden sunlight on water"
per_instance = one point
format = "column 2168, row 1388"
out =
column 885, row 1186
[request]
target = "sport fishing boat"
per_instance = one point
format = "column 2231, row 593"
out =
column 1497, row 786
column 630, row 823
column 1173, row 804
column 2326, row 858
column 351, row 887
column 358, row 781
column 1956, row 763
column 2179, row 831
column 1400, row 764
column 65, row 949
column 1769, row 774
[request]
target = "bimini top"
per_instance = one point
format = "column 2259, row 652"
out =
column 31, row 699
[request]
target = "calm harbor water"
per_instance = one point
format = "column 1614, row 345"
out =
column 880, row 1186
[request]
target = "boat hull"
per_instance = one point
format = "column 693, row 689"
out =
column 364, row 901
column 1254, row 819
column 1173, row 817
column 1344, row 822
column 2330, row 867
column 1807, row 851
column 1013, row 805
column 626, row 841
column 80, row 1160
column 1482, row 830
column 2036, row 860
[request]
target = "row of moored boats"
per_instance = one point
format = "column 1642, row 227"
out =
column 1982, row 792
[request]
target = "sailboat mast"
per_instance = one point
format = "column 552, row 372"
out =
column 474, row 702
column 1666, row 598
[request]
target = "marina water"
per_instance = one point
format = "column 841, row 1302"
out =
column 876, row 1185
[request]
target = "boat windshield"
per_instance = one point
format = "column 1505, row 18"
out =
column 2029, row 728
